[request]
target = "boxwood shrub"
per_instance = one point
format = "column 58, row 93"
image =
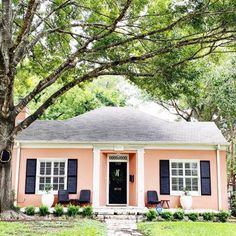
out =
column 208, row 216
column 43, row 210
column 87, row 211
column 58, row 210
column 166, row 215
column 178, row 215
column 193, row 216
column 151, row 215
column 72, row 210
column 223, row 216
column 30, row 210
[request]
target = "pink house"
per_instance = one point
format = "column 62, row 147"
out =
column 120, row 154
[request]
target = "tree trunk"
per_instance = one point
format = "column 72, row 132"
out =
column 6, row 143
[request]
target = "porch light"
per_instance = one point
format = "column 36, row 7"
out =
column 5, row 156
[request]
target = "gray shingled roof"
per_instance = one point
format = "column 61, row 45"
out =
column 112, row 124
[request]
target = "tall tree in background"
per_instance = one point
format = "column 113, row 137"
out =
column 69, row 42
column 206, row 91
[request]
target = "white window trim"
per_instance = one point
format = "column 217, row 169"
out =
column 180, row 193
column 38, row 172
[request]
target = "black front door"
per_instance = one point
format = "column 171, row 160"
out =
column 117, row 183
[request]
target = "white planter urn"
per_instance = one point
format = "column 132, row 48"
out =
column 186, row 202
column 48, row 199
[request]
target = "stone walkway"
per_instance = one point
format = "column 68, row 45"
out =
column 122, row 225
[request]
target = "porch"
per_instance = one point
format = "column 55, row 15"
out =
column 118, row 178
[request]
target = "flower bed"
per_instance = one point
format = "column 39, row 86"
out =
column 180, row 215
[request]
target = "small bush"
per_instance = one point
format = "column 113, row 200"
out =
column 72, row 210
column 151, row 215
column 223, row 216
column 167, row 215
column 30, row 210
column 208, row 216
column 178, row 215
column 58, row 210
column 16, row 208
column 87, row 211
column 193, row 216
column 43, row 210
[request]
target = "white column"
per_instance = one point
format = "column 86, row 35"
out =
column 96, row 176
column 218, row 176
column 18, row 150
column 140, row 177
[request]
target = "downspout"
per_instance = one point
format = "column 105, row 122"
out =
column 218, row 175
column 18, row 154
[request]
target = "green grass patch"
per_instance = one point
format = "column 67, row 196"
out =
column 187, row 228
column 77, row 227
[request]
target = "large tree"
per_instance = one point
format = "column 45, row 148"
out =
column 68, row 42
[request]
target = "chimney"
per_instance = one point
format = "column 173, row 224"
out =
column 22, row 115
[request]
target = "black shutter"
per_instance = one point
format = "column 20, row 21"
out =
column 30, row 176
column 205, row 177
column 72, row 176
column 164, row 177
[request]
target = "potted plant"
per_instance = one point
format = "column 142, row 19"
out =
column 48, row 196
column 186, row 200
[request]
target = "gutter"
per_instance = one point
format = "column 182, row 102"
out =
column 218, row 176
column 18, row 155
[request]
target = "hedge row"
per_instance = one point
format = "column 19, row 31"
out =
column 221, row 216
column 72, row 210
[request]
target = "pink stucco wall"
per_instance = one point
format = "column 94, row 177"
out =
column 152, row 178
column 151, row 174
column 85, row 170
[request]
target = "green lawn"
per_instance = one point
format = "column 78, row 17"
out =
column 187, row 229
column 81, row 227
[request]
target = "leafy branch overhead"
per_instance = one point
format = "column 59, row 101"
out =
column 65, row 43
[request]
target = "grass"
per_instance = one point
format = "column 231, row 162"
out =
column 187, row 229
column 81, row 227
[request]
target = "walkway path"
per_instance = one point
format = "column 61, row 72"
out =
column 122, row 225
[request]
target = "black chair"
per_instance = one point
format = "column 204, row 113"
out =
column 63, row 196
column 84, row 197
column 152, row 198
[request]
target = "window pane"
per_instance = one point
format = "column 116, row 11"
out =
column 48, row 180
column 48, row 171
column 194, row 165
column 55, row 186
column 61, row 186
column 174, row 172
column 181, row 172
column 174, row 164
column 56, row 171
column 41, row 187
column 61, row 180
column 55, row 180
column 188, row 172
column 175, row 187
column 41, row 180
column 56, row 164
column 194, row 172
column 187, row 165
column 180, row 165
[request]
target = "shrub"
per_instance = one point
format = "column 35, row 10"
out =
column 178, row 215
column 193, row 216
column 167, row 215
column 208, row 216
column 58, row 210
column 151, row 215
column 72, row 210
column 87, row 211
column 16, row 208
column 30, row 210
column 223, row 216
column 43, row 210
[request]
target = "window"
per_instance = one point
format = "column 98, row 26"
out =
column 51, row 173
column 185, row 175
